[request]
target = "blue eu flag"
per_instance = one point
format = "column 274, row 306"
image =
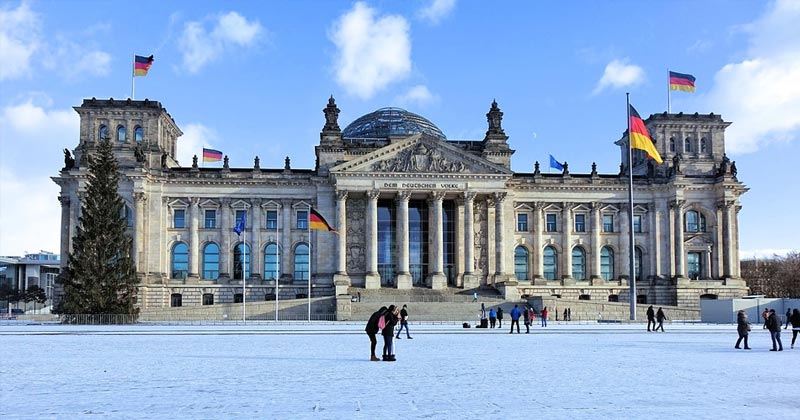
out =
column 240, row 225
column 555, row 164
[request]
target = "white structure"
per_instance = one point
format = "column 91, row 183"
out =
column 417, row 210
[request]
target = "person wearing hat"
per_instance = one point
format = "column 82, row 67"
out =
column 403, row 323
column 743, row 328
column 774, row 327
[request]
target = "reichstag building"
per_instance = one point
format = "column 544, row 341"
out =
column 415, row 209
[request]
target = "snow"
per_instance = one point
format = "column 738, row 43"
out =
column 321, row 371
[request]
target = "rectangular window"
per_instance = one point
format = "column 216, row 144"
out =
column 522, row 222
column 551, row 222
column 211, row 219
column 272, row 219
column 179, row 219
column 608, row 223
column 302, row 219
column 241, row 214
column 637, row 223
column 580, row 223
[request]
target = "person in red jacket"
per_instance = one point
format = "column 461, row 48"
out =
column 544, row 317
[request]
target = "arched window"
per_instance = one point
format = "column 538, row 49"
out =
column 672, row 144
column 637, row 267
column 301, row 262
column 271, row 262
column 103, row 133
column 695, row 222
column 121, row 133
column 176, row 300
column 702, row 225
column 211, row 261
column 550, row 263
column 521, row 263
column 703, row 145
column 687, row 145
column 237, row 261
column 607, row 263
column 208, row 299
column 138, row 134
column 578, row 263
column 180, row 261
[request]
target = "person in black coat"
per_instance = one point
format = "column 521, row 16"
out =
column 743, row 328
column 660, row 317
column 403, row 323
column 795, row 320
column 500, row 317
column 372, row 331
column 651, row 317
column 391, row 317
column 526, row 317
column 774, row 327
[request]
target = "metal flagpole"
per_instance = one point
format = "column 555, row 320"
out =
column 632, row 255
column 244, row 267
column 277, row 260
column 133, row 75
column 309, row 262
column 669, row 95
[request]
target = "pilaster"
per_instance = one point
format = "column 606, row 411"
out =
column 341, row 279
column 373, row 279
column 436, row 279
column 471, row 280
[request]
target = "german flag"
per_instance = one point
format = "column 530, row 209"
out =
column 640, row 137
column 317, row 222
column 141, row 65
column 681, row 81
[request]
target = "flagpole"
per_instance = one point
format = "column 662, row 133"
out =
column 669, row 96
column 309, row 262
column 277, row 260
column 631, row 254
column 133, row 75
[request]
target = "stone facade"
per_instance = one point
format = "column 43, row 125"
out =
column 416, row 210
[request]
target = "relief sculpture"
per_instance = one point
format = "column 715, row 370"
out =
column 420, row 158
column 356, row 239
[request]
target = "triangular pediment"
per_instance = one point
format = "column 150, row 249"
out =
column 421, row 154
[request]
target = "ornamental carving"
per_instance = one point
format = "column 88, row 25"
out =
column 480, row 239
column 356, row 237
column 421, row 158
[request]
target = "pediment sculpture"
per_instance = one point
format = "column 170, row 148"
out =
column 420, row 158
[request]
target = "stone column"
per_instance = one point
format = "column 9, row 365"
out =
column 404, row 280
column 436, row 278
column 225, row 250
column 471, row 280
column 373, row 279
column 566, row 244
column 286, row 240
column 341, row 279
column 65, row 226
column 719, row 239
column 680, row 256
column 727, row 241
column 538, row 245
column 596, row 245
column 139, row 237
column 256, row 256
column 194, row 238
column 499, row 234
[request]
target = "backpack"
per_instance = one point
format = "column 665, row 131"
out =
column 377, row 317
column 382, row 322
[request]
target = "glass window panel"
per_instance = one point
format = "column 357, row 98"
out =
column 103, row 133
column 272, row 219
column 302, row 219
column 211, row 261
column 121, row 133
column 637, row 223
column 607, row 263
column 578, row 263
column 550, row 262
column 211, row 219
column 694, row 265
column 179, row 219
column 608, row 223
column 521, row 263
column 180, row 261
column 271, row 262
column 637, row 267
column 241, row 214
column 237, row 261
column 301, row 262
column 138, row 134
column 522, row 222
column 208, row 299
column 551, row 222
column 692, row 221
column 580, row 223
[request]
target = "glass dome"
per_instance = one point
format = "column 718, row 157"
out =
column 387, row 122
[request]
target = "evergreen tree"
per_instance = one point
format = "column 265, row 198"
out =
column 100, row 276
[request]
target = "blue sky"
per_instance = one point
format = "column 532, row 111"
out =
column 251, row 78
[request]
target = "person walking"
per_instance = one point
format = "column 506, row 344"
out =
column 774, row 327
column 526, row 317
column 788, row 315
column 565, row 314
column 474, row 296
column 795, row 320
column 660, row 317
column 390, row 320
column 569, row 314
column 404, row 323
column 515, row 314
column 765, row 315
column 743, row 328
column 500, row 317
column 372, row 331
column 492, row 318
column 544, row 317
column 651, row 318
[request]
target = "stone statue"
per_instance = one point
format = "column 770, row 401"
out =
column 139, row 153
column 733, row 169
column 495, row 118
column 256, row 163
column 621, row 169
column 164, row 159
column 225, row 162
column 69, row 161
column 594, row 168
column 287, row 164
column 723, row 166
column 194, row 161
column 651, row 168
column 536, row 168
column 676, row 164
column 331, row 116
column 566, row 168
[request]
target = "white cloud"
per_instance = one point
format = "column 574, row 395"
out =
column 763, row 253
column 201, row 46
column 372, row 51
column 418, row 95
column 619, row 74
column 30, row 214
column 83, row 60
column 19, row 40
column 436, row 10
column 195, row 137
column 761, row 94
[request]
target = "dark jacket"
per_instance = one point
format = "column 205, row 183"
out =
column 743, row 326
column 499, row 313
column 773, row 323
column 651, row 314
column 372, row 324
column 660, row 316
column 795, row 319
column 391, row 321
column 526, row 317
column 404, row 315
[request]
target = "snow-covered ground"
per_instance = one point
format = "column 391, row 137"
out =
column 321, row 371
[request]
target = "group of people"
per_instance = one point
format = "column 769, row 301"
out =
column 653, row 316
column 383, row 321
column 771, row 323
column 527, row 315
